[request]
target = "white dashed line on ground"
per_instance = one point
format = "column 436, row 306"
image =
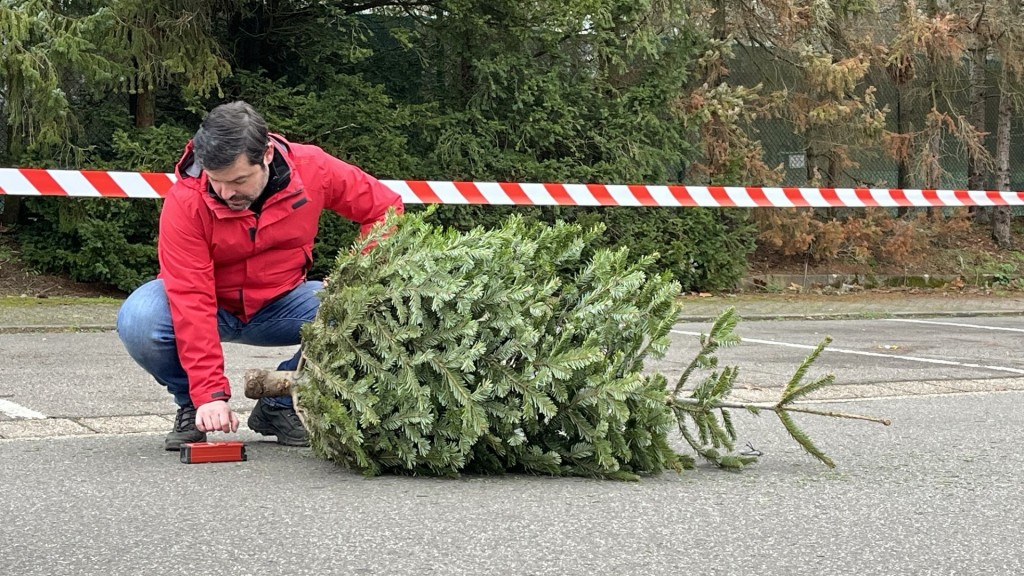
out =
column 18, row 411
column 872, row 354
column 955, row 324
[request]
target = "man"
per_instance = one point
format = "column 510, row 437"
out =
column 235, row 245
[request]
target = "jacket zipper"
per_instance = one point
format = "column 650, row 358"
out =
column 252, row 230
column 252, row 237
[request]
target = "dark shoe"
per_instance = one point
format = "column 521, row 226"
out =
column 282, row 422
column 185, row 430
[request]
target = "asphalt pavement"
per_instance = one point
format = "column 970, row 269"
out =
column 85, row 488
column 938, row 493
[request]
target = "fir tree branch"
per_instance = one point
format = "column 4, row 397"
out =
column 756, row 407
column 710, row 395
column 882, row 421
column 793, row 395
column 801, row 370
column 721, row 334
column 727, row 422
column 712, row 433
column 803, row 439
column 710, row 453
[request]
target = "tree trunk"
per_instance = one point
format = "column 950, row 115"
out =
column 934, row 171
column 976, row 117
column 145, row 107
column 1001, row 215
column 12, row 204
column 718, row 23
column 811, row 166
column 260, row 383
column 902, row 168
column 832, row 176
column 814, row 178
column 10, row 212
column 975, row 175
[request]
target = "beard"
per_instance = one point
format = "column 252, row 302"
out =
column 242, row 201
column 237, row 204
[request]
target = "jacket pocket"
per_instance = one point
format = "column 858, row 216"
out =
column 307, row 252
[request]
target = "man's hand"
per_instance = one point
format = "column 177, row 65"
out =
column 214, row 416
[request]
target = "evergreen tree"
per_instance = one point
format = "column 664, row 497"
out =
column 519, row 348
column 45, row 50
column 164, row 43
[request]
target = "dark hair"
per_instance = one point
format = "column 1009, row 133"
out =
column 227, row 131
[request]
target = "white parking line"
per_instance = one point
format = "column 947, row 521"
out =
column 873, row 354
column 18, row 411
column 956, row 324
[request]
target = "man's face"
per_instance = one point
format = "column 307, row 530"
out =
column 240, row 184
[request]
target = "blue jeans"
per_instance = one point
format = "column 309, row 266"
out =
column 144, row 325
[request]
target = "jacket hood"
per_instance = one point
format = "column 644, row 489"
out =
column 187, row 166
column 188, row 170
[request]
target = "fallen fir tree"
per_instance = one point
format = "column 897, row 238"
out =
column 514, row 349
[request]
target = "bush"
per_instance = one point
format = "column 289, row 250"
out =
column 872, row 236
column 705, row 249
column 106, row 240
column 110, row 241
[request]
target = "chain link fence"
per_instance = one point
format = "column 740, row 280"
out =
column 873, row 166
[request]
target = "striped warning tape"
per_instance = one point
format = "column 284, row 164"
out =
column 96, row 183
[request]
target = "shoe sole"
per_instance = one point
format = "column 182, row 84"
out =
column 285, row 442
column 176, row 447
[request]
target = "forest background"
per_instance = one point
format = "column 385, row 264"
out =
column 725, row 92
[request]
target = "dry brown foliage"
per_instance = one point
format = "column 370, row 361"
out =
column 867, row 236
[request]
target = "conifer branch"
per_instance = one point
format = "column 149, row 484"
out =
column 721, row 335
column 710, row 395
column 792, row 390
column 806, row 389
column 833, row 414
column 758, row 407
column 803, row 439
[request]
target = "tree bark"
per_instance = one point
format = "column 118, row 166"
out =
column 975, row 175
column 832, row 176
column 718, row 23
column 933, row 175
column 261, row 383
column 902, row 167
column 976, row 113
column 12, row 204
column 145, row 108
column 1001, row 216
column 11, row 211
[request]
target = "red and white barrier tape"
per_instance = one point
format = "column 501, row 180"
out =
column 93, row 183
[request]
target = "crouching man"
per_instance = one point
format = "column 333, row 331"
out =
column 235, row 245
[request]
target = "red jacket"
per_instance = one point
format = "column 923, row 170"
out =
column 211, row 256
